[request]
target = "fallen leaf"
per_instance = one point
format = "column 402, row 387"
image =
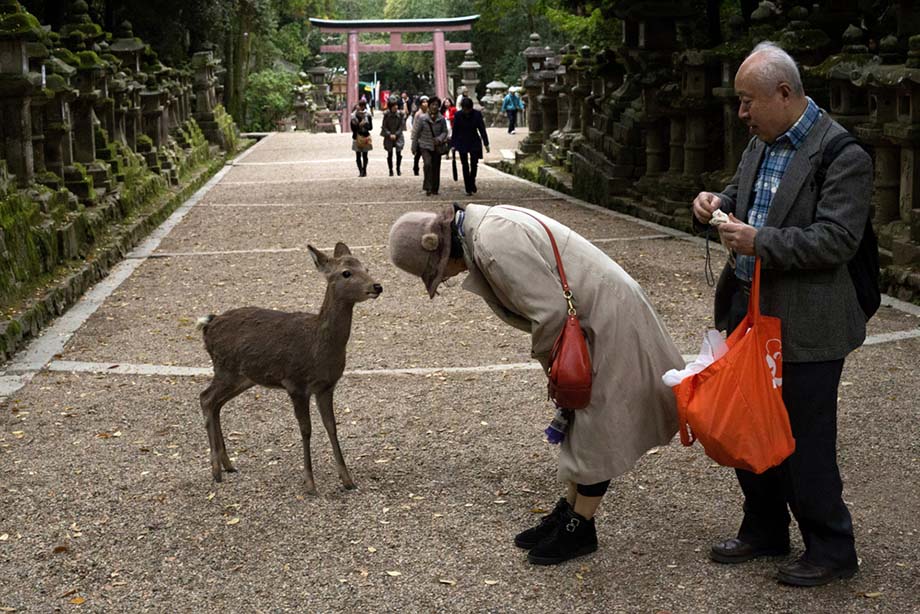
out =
column 446, row 581
column 211, row 495
column 872, row 595
column 537, row 510
column 491, row 582
column 394, row 573
column 5, row 609
column 371, row 549
column 78, row 600
column 233, row 521
column 4, row 537
column 60, row 549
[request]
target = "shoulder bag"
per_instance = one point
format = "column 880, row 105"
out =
column 569, row 372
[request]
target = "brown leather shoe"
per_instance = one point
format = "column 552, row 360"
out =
column 733, row 551
column 803, row 573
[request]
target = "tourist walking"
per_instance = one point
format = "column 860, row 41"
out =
column 416, row 152
column 448, row 110
column 468, row 138
column 431, row 134
column 361, row 142
column 511, row 104
column 804, row 238
column 512, row 267
column 392, row 127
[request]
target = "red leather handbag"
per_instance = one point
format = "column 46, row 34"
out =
column 569, row 372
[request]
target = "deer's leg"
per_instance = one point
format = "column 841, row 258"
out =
column 301, row 401
column 213, row 398
column 324, row 401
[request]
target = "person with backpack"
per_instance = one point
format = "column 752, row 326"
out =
column 806, row 224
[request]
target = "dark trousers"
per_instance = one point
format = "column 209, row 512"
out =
column 390, row 158
column 808, row 482
column 470, row 164
column 512, row 119
column 432, row 163
column 361, row 160
column 418, row 154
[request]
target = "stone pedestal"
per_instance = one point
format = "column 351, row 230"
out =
column 16, row 88
column 535, row 56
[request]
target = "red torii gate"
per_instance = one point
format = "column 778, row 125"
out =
column 396, row 28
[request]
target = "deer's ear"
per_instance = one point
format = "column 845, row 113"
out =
column 319, row 259
column 341, row 250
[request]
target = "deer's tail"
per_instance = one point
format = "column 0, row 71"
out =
column 203, row 322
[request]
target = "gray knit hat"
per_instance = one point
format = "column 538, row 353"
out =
column 420, row 244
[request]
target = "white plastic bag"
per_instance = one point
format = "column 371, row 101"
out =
column 713, row 349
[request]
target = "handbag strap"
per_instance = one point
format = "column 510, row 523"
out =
column 754, row 299
column 566, row 291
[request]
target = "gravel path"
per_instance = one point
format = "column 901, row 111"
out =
column 106, row 500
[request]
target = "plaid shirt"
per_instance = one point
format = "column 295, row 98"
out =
column 776, row 158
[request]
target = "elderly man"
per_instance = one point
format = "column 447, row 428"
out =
column 804, row 235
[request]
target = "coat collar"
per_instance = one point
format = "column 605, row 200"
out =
column 798, row 170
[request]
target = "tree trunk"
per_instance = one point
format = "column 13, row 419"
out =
column 237, row 72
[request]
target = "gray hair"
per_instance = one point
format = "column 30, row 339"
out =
column 778, row 67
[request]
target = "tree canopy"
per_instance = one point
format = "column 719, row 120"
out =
column 252, row 36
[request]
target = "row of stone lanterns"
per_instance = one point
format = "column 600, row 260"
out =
column 68, row 98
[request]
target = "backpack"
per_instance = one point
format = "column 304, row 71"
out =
column 864, row 266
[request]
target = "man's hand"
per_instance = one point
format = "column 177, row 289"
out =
column 738, row 236
column 704, row 204
column 487, row 149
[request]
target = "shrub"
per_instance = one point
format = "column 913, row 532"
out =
column 269, row 98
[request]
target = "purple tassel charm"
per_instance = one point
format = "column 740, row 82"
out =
column 555, row 432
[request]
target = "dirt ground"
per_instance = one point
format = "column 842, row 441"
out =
column 106, row 497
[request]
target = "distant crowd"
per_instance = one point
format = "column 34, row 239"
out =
column 436, row 128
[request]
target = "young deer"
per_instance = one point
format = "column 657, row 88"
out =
column 303, row 353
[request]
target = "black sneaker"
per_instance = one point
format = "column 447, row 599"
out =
column 574, row 536
column 532, row 536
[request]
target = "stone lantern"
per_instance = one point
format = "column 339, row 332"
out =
column 535, row 57
column 492, row 104
column 549, row 96
column 127, row 48
column 469, row 75
column 58, row 136
column 318, row 79
column 17, row 84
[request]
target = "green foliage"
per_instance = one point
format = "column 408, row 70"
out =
column 591, row 29
column 269, row 98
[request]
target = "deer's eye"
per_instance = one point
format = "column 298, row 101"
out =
column 346, row 274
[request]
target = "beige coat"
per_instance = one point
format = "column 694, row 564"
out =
column 512, row 267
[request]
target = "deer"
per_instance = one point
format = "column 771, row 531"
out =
column 301, row 353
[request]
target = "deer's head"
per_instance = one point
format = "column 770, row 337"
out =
column 346, row 275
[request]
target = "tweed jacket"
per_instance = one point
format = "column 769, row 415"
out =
column 806, row 243
column 512, row 267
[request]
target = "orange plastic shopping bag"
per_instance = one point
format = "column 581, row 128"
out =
column 734, row 407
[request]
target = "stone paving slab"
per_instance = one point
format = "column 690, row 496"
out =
column 230, row 227
column 373, row 189
column 151, row 317
column 447, row 472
